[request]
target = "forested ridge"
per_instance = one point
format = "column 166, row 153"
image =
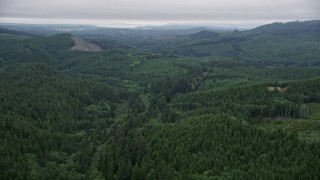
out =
column 134, row 113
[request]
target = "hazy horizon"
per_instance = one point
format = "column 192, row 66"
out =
column 134, row 13
column 136, row 24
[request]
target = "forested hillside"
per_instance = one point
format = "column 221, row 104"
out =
column 282, row 43
column 205, row 105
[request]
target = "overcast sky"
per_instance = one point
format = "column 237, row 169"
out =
column 151, row 12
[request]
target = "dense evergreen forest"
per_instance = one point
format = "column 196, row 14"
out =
column 203, row 105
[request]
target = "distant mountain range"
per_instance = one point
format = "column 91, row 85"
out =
column 292, row 42
column 178, row 29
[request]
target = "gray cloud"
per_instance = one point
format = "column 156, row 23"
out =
column 179, row 10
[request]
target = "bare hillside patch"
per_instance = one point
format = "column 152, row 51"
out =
column 82, row 45
column 280, row 89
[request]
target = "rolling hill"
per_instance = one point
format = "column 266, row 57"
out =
column 204, row 105
column 283, row 43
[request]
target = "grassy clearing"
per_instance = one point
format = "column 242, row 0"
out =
column 314, row 111
column 307, row 129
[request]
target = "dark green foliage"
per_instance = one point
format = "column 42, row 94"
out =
column 251, row 111
column 42, row 114
column 290, row 28
column 217, row 146
column 256, row 100
column 37, row 49
column 55, row 43
column 7, row 31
